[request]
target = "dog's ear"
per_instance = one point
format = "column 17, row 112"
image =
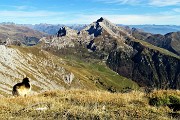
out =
column 26, row 79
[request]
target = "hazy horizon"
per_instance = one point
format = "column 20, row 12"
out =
column 6, row 22
column 126, row 12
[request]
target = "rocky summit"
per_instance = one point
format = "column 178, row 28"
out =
column 66, row 31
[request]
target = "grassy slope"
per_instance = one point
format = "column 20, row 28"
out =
column 98, row 73
column 92, row 74
column 83, row 104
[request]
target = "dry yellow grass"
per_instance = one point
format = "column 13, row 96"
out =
column 164, row 92
column 83, row 104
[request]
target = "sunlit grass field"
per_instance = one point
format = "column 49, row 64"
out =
column 85, row 104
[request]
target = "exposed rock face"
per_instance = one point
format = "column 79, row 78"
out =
column 142, row 62
column 68, row 78
column 65, row 38
column 100, row 26
column 44, row 70
column 66, row 31
column 101, row 36
column 61, row 32
column 147, row 67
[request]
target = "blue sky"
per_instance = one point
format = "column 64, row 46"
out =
column 161, row 12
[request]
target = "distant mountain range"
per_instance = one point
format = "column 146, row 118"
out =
column 157, row 29
column 154, row 29
column 53, row 28
column 16, row 34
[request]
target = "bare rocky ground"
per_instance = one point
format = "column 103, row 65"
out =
column 17, row 64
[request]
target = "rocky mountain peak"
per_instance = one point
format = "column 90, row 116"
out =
column 105, row 21
column 66, row 31
column 101, row 19
column 103, row 25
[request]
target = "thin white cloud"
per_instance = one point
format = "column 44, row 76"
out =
column 62, row 18
column 131, row 2
column 18, row 7
column 132, row 19
column 21, row 7
column 162, row 3
column 176, row 10
column 32, row 14
column 31, row 17
column 157, row 3
column 35, row 17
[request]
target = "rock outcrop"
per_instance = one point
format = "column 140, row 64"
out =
column 66, row 31
column 39, row 66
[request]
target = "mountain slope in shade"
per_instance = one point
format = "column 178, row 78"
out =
column 174, row 42
column 14, row 33
column 144, row 63
column 170, row 41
